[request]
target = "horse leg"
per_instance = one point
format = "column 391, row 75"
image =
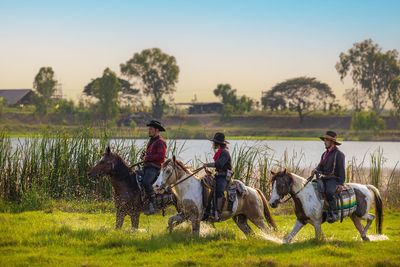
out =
column 241, row 222
column 175, row 221
column 196, row 227
column 135, row 219
column 370, row 218
column 120, row 218
column 318, row 231
column 260, row 223
column 360, row 227
column 297, row 227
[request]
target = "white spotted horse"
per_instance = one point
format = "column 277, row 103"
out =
column 189, row 193
column 128, row 196
column 309, row 206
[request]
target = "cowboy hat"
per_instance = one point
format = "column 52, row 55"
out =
column 156, row 124
column 330, row 135
column 219, row 138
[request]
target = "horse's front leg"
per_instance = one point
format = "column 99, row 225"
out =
column 120, row 218
column 175, row 220
column 297, row 227
column 135, row 219
column 318, row 230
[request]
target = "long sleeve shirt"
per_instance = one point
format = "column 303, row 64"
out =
column 156, row 150
column 333, row 163
column 222, row 161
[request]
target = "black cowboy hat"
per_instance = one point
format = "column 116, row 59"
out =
column 330, row 135
column 219, row 138
column 156, row 124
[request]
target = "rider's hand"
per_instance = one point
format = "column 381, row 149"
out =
column 340, row 188
column 313, row 172
column 205, row 165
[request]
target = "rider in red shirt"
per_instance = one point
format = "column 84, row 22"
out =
column 153, row 159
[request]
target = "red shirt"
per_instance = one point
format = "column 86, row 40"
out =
column 156, row 151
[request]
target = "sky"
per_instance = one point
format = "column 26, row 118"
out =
column 251, row 45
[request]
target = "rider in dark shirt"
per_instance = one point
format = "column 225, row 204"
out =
column 223, row 166
column 332, row 172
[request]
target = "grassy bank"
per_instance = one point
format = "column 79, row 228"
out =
column 54, row 238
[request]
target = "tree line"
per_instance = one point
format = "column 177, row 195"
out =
column 153, row 73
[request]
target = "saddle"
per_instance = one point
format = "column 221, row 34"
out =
column 346, row 202
column 232, row 190
column 162, row 200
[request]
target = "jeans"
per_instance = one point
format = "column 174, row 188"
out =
column 150, row 176
column 221, row 183
column 330, row 188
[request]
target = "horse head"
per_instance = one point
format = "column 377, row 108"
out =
column 282, row 182
column 105, row 166
column 171, row 171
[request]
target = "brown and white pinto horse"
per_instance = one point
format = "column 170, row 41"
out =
column 126, row 191
column 253, row 206
column 309, row 209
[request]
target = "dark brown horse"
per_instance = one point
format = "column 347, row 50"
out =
column 126, row 191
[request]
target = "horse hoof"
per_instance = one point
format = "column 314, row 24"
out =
column 365, row 238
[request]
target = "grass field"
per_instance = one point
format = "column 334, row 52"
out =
column 52, row 237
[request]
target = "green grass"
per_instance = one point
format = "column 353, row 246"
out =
column 54, row 238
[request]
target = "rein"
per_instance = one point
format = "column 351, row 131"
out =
column 181, row 181
column 309, row 179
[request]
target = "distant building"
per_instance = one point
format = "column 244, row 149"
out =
column 16, row 97
column 202, row 108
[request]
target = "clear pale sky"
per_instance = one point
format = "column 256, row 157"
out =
column 250, row 44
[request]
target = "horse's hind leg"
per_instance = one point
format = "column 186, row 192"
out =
column 241, row 222
column 370, row 218
column 260, row 223
column 360, row 227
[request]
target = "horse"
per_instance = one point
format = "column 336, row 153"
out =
column 126, row 190
column 309, row 208
column 252, row 206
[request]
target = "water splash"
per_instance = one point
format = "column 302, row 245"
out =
column 377, row 237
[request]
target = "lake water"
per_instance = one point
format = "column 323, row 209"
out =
column 308, row 151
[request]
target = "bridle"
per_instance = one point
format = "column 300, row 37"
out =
column 292, row 195
column 162, row 186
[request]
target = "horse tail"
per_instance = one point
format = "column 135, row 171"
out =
column 267, row 213
column 378, row 208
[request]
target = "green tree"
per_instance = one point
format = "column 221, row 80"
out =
column 157, row 72
column 127, row 95
column 45, row 86
column 106, row 89
column 371, row 69
column 302, row 94
column 228, row 97
column 356, row 97
column 394, row 93
column 273, row 102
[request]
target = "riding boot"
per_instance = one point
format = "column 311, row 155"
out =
column 332, row 212
column 218, row 210
column 152, row 205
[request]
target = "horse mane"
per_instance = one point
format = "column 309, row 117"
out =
column 124, row 171
column 179, row 164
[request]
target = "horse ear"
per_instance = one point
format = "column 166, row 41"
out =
column 174, row 158
column 273, row 173
column 284, row 171
column 108, row 150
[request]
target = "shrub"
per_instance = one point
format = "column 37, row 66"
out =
column 367, row 121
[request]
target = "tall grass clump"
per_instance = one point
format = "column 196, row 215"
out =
column 375, row 171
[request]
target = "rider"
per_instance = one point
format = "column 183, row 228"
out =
column 223, row 165
column 332, row 170
column 153, row 159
